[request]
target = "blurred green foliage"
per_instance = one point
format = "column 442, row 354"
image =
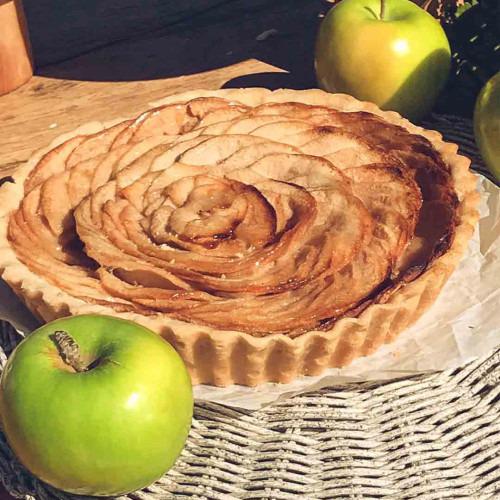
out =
column 473, row 29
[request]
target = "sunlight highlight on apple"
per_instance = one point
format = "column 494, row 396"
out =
column 132, row 400
column 401, row 47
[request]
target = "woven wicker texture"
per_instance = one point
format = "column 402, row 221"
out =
column 429, row 437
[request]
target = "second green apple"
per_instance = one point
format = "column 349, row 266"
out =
column 487, row 124
column 389, row 52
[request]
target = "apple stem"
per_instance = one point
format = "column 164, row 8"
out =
column 69, row 350
column 382, row 9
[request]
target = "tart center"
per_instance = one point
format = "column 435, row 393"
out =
column 213, row 212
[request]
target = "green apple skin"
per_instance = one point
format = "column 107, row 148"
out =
column 487, row 124
column 400, row 63
column 110, row 430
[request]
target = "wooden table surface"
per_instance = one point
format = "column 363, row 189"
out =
column 103, row 60
column 80, row 78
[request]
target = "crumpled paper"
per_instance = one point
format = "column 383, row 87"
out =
column 463, row 324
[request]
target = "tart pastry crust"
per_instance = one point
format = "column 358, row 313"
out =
column 262, row 189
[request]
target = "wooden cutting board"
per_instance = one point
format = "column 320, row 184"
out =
column 222, row 45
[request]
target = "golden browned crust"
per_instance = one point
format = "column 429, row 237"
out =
column 224, row 357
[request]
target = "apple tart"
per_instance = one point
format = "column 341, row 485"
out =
column 266, row 235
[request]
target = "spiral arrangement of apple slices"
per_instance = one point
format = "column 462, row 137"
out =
column 276, row 218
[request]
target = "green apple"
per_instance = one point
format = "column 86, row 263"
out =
column 389, row 52
column 95, row 405
column 487, row 124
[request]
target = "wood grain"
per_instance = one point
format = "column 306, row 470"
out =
column 80, row 26
column 45, row 108
column 222, row 47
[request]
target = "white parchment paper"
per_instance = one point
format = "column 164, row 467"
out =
column 463, row 324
